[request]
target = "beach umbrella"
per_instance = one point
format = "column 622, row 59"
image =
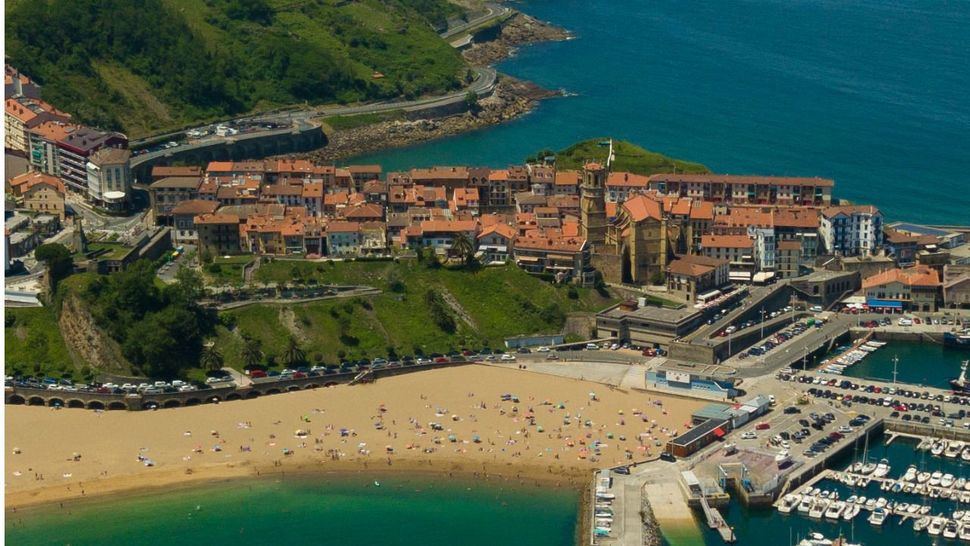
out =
column 452, row 438
column 476, row 439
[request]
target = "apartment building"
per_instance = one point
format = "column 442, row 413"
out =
column 855, row 230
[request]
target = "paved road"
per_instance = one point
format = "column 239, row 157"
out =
column 492, row 11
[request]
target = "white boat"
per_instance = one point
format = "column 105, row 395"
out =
column 921, row 523
column 815, row 539
column 881, row 502
column 960, row 483
column 922, row 477
column 938, row 448
column 805, row 504
column 871, row 504
column 851, row 511
column 935, row 478
column 868, row 468
column 901, row 508
column 788, row 503
column 860, row 501
column 882, row 469
column 855, row 468
column 878, row 516
column 966, row 454
column 852, row 499
column 782, row 458
column 954, row 449
column 950, row 529
column 834, row 510
column 935, row 527
column 964, row 532
column 958, row 515
column 947, row 480
column 924, row 510
column 818, row 509
column 910, row 474
column 913, row 508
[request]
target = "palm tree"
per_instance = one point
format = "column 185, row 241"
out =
column 463, row 247
column 211, row 359
column 293, row 355
column 252, row 352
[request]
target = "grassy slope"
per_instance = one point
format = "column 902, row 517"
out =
column 34, row 344
column 392, row 37
column 500, row 302
column 629, row 158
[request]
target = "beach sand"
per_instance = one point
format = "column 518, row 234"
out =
column 384, row 426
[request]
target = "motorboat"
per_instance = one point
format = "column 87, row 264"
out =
column 901, row 508
column 861, row 501
column 783, row 458
column 924, row 510
column 960, row 483
column 938, row 448
column 935, row 527
column 834, row 510
column 805, row 504
column 921, row 523
column 950, row 529
column 966, row 454
column 882, row 469
column 964, row 532
column 896, row 487
column 881, row 502
column 815, row 539
column 871, row 504
column 922, row 477
column 868, row 468
column 947, row 480
column 953, row 449
column 818, row 509
column 852, row 499
column 910, row 474
column 855, row 468
column 788, row 503
column 878, row 516
column 935, row 478
column 851, row 511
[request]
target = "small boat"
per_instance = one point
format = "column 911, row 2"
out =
column 783, row 458
column 852, row 499
column 922, row 477
column 958, row 515
column 964, row 532
column 881, row 502
column 936, row 526
column 938, row 448
column 896, row 488
column 882, row 469
column 860, row 501
column 815, row 539
column 901, row 508
column 921, row 523
column 855, row 468
column 966, row 454
column 935, row 478
column 924, row 510
column 910, row 474
column 871, row 504
column 878, row 516
column 954, row 449
column 960, row 483
column 806, row 504
column 851, row 511
column 868, row 468
column 788, row 503
column 947, row 480
column 834, row 510
column 913, row 508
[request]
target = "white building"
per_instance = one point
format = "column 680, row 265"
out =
column 851, row 230
column 109, row 178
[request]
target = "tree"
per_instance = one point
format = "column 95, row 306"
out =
column 293, row 355
column 252, row 353
column 58, row 260
column 463, row 247
column 471, row 100
column 211, row 359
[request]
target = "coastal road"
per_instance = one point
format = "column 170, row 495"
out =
column 492, row 11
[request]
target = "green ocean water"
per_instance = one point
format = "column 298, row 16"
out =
column 313, row 510
column 928, row 364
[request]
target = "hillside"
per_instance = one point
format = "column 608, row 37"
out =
column 628, row 158
column 142, row 66
column 486, row 305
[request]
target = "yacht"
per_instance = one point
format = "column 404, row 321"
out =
column 882, row 469
column 921, row 523
column 878, row 516
column 868, row 468
column 964, row 532
column 950, row 529
column 936, row 526
column 855, row 468
column 938, row 447
column 806, row 504
column 834, row 510
column 818, row 509
column 788, row 503
column 954, row 449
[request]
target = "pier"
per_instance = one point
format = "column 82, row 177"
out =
column 716, row 521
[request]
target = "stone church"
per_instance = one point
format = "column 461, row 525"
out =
column 635, row 245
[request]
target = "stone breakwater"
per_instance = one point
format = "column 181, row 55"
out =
column 518, row 30
column 512, row 98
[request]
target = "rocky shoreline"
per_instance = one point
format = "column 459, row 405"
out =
column 512, row 98
column 518, row 30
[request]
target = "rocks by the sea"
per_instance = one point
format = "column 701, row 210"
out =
column 518, row 30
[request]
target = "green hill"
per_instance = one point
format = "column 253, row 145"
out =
column 628, row 158
column 146, row 65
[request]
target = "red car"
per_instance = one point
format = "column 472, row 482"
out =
column 257, row 374
column 441, row 360
column 762, row 426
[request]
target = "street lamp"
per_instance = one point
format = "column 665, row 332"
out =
column 762, row 322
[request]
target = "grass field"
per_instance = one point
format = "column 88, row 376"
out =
column 33, row 343
column 226, row 270
column 488, row 306
column 342, row 123
column 628, row 158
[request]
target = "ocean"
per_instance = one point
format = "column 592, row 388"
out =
column 870, row 93
column 312, row 510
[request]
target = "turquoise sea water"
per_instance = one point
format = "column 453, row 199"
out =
column 926, row 364
column 871, row 93
column 313, row 510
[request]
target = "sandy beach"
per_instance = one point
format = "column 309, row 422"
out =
column 449, row 420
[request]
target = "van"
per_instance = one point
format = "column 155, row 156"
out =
column 591, row 347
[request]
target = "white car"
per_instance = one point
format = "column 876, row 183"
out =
column 508, row 358
column 845, row 429
column 543, row 350
column 614, row 347
column 749, row 435
column 591, row 347
column 905, row 322
column 816, row 308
